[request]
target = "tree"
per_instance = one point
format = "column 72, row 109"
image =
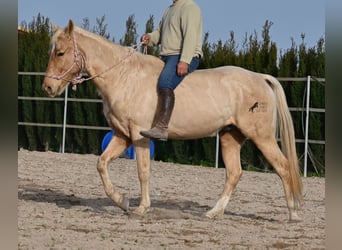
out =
column 86, row 24
column 33, row 44
column 101, row 27
column 149, row 27
column 268, row 53
column 205, row 61
column 130, row 37
column 249, row 54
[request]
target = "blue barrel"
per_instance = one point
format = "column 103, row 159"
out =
column 130, row 152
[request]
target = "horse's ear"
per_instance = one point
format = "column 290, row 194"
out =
column 54, row 28
column 70, row 27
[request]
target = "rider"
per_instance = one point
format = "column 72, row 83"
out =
column 180, row 36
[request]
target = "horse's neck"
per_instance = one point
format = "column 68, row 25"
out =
column 112, row 64
column 100, row 54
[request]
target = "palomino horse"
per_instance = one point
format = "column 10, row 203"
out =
column 238, row 103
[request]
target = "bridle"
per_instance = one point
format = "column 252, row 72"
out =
column 80, row 62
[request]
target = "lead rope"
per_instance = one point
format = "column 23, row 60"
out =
column 134, row 47
column 139, row 45
column 78, row 79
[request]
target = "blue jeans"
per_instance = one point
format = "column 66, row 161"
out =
column 168, row 78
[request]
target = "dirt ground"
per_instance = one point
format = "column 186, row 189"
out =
column 62, row 205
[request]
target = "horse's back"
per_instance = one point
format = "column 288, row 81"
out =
column 210, row 99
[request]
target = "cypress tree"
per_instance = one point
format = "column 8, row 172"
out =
column 149, row 27
column 130, row 37
column 101, row 27
column 205, row 62
column 33, row 57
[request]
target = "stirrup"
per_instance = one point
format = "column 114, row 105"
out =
column 156, row 133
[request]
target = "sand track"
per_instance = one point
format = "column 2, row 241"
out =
column 62, row 205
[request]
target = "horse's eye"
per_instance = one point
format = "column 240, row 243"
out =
column 60, row 53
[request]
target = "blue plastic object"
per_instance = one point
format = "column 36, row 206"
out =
column 130, row 152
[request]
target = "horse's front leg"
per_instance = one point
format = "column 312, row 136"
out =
column 115, row 148
column 142, row 148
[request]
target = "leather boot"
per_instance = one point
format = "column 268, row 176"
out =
column 166, row 104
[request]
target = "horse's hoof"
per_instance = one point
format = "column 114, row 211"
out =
column 295, row 219
column 124, row 205
column 208, row 216
column 140, row 211
column 213, row 215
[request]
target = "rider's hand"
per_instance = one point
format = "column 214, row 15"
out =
column 145, row 39
column 182, row 68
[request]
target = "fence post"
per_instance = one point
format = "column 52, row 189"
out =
column 307, row 126
column 64, row 118
column 217, row 149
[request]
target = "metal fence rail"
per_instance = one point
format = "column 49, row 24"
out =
column 66, row 99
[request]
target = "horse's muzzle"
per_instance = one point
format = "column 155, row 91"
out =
column 48, row 90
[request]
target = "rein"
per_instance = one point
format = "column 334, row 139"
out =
column 79, row 77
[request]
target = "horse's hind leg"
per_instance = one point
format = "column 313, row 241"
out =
column 115, row 148
column 275, row 157
column 230, row 145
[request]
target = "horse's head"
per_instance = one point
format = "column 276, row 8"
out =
column 66, row 62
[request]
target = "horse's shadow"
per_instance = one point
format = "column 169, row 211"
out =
column 161, row 209
column 62, row 200
column 101, row 205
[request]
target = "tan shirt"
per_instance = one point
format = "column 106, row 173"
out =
column 180, row 31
